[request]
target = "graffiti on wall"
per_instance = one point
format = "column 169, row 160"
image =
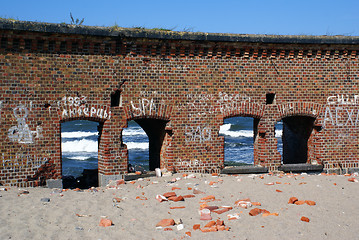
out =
column 201, row 105
column 76, row 107
column 198, row 134
column 230, row 102
column 189, row 163
column 341, row 111
column 22, row 133
column 22, row 160
column 143, row 107
column 343, row 99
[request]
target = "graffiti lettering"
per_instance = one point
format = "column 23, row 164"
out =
column 22, row 160
column 340, row 117
column 87, row 112
column 198, row 134
column 73, row 101
column 343, row 99
column 143, row 107
column 189, row 163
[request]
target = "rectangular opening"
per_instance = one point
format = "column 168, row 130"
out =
column 270, row 97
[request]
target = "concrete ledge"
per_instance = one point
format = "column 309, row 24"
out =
column 301, row 168
column 54, row 183
column 244, row 170
column 103, row 180
column 133, row 176
column 172, row 35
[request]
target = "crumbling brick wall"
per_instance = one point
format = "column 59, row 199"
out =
column 191, row 81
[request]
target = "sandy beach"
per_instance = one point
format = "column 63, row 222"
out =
column 329, row 202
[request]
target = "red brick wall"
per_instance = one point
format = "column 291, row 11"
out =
column 48, row 78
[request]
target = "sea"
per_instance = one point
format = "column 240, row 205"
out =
column 79, row 144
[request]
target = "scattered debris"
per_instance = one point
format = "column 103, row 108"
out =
column 305, row 219
column 165, row 223
column 233, row 216
column 105, row 222
column 256, row 211
column 205, row 214
column 353, row 180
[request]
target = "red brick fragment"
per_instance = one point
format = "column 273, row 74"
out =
column 292, row 200
column 254, row 212
column 210, row 224
column 165, row 223
column 222, row 210
column 176, row 199
column 168, row 229
column 299, row 202
column 196, row 226
column 105, row 222
column 352, row 180
column 211, row 208
column 169, row 194
column 210, row 197
column 305, row 219
column 310, row 203
column 188, row 196
column 179, row 207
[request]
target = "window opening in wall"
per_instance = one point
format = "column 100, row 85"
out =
column 115, row 98
column 239, row 135
column 270, row 97
column 79, row 150
column 296, row 132
column 278, row 136
column 144, row 139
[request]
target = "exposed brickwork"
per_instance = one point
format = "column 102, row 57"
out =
column 51, row 77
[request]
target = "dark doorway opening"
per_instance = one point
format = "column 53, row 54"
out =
column 79, row 153
column 138, row 147
column 296, row 132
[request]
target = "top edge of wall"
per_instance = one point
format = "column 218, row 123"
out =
column 63, row 28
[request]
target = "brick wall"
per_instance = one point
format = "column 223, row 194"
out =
column 190, row 82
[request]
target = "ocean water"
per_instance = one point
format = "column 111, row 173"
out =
column 79, row 143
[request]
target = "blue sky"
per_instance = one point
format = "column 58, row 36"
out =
column 308, row 17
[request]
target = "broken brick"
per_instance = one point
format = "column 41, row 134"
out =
column 210, row 197
column 310, row 203
column 105, row 222
column 196, row 226
column 165, row 223
column 210, row 224
column 305, row 219
column 169, row 194
column 292, row 200
column 299, row 202
column 176, row 199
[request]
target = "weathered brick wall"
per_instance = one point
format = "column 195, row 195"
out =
column 188, row 82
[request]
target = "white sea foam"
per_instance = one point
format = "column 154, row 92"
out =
column 278, row 133
column 133, row 131
column 225, row 130
column 137, row 145
column 80, row 158
column 78, row 134
column 82, row 145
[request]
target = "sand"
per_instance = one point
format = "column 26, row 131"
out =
column 44, row 213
